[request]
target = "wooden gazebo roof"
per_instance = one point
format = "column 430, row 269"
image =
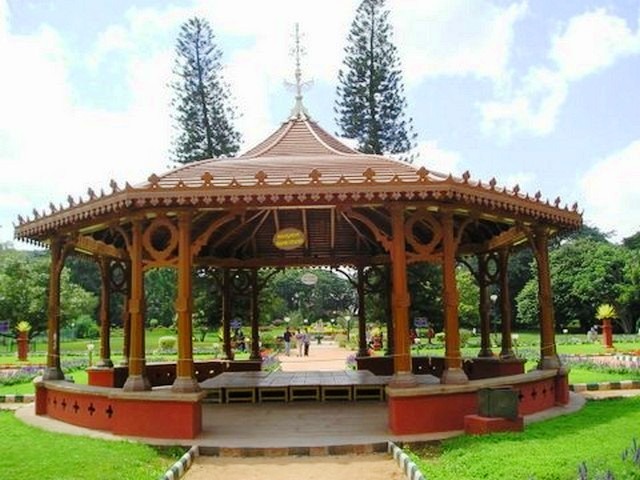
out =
column 300, row 176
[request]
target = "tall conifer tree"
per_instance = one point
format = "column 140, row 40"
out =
column 371, row 103
column 203, row 114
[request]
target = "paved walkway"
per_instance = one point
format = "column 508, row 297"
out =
column 326, row 357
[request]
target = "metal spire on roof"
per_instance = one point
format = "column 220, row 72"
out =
column 297, row 52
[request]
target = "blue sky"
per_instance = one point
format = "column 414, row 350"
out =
column 543, row 93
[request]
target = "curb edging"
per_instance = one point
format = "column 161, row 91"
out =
column 25, row 398
column 408, row 467
column 621, row 385
column 179, row 468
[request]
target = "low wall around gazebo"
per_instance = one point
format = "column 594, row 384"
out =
column 443, row 408
column 164, row 373
column 475, row 368
column 156, row 413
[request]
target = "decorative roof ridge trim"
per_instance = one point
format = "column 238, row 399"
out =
column 108, row 200
column 288, row 126
column 496, row 200
column 179, row 168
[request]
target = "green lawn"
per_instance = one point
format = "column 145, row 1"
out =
column 29, row 453
column 550, row 450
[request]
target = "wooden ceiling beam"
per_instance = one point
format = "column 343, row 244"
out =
column 94, row 247
column 301, row 261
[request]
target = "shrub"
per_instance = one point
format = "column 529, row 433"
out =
column 167, row 343
column 153, row 323
column 86, row 328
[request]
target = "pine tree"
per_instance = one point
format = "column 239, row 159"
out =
column 203, row 112
column 371, row 102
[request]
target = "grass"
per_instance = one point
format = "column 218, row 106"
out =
column 550, row 450
column 29, row 453
column 79, row 376
column 583, row 375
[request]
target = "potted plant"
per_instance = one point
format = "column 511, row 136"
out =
column 606, row 313
column 23, row 329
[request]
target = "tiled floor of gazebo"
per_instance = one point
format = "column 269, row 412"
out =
column 252, row 387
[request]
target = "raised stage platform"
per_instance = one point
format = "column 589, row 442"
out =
column 258, row 387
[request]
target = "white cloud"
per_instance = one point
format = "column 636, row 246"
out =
column 455, row 37
column 611, row 194
column 590, row 43
column 437, row 159
column 533, row 108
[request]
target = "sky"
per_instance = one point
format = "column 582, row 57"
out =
column 540, row 93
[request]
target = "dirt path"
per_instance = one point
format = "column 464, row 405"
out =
column 342, row 467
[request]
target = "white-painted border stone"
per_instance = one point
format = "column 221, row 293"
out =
column 17, row 398
column 409, row 468
column 179, row 468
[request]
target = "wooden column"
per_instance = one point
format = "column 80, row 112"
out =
column 389, row 312
column 53, row 370
column 226, row 314
column 255, row 312
column 453, row 372
column 137, row 379
column 400, row 302
column 505, row 304
column 126, row 323
column 105, row 321
column 126, row 331
column 185, row 381
column 363, row 351
column 548, row 356
column 484, row 308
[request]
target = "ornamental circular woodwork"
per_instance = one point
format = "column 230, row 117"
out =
column 434, row 227
column 118, row 276
column 160, row 238
column 374, row 278
column 240, row 281
column 492, row 267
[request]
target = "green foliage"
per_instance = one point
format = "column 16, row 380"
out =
column 425, row 289
column 573, row 439
column 371, row 102
column 203, row 113
column 160, row 292
column 27, row 454
column 332, row 293
column 584, row 274
column 24, row 281
column 167, row 344
column 469, row 298
column 86, row 328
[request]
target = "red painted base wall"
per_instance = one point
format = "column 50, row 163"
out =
column 433, row 413
column 445, row 412
column 122, row 416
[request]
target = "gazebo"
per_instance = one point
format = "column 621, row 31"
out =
column 299, row 198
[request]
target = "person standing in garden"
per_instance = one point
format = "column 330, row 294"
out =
column 306, row 339
column 287, row 342
column 300, row 342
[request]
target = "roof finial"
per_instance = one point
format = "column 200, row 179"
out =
column 297, row 51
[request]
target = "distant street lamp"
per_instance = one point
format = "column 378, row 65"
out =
column 493, row 297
